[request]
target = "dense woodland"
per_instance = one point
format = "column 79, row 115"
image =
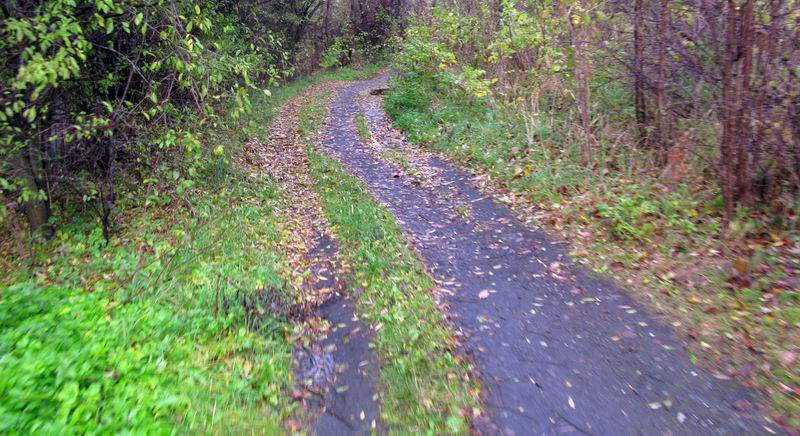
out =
column 98, row 93
column 712, row 80
column 662, row 137
column 89, row 88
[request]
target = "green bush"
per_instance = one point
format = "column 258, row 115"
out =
column 636, row 212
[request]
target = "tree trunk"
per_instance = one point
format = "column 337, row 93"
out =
column 663, row 130
column 581, row 33
column 728, row 109
column 28, row 168
column 735, row 112
column 638, row 71
column 744, row 133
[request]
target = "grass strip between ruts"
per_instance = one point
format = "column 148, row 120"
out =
column 426, row 387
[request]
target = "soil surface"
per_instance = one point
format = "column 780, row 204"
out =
column 337, row 372
column 558, row 350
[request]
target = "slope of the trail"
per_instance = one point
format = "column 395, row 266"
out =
column 558, row 351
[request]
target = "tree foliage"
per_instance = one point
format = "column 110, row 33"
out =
column 91, row 89
column 713, row 79
column 99, row 93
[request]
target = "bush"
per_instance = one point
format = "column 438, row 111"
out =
column 636, row 212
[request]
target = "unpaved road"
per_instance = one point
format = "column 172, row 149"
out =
column 558, row 350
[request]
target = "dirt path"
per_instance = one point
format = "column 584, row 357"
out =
column 558, row 351
column 337, row 372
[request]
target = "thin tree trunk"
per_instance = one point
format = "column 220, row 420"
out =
column 743, row 136
column 37, row 211
column 663, row 123
column 728, row 110
column 583, row 72
column 638, row 68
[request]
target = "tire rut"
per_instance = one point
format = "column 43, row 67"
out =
column 558, row 350
column 336, row 370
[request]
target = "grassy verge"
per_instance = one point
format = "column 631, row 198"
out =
column 148, row 332
column 174, row 325
column 426, row 387
column 735, row 297
column 362, row 128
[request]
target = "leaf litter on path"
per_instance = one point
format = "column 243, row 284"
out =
column 574, row 327
column 316, row 278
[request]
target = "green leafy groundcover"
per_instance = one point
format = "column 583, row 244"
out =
column 146, row 334
column 71, row 360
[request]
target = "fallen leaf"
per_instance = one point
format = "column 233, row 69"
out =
column 292, row 425
column 741, row 266
column 297, row 394
column 742, row 405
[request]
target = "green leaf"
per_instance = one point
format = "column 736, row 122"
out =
column 30, row 114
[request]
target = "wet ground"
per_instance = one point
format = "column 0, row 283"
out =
column 337, row 374
column 340, row 370
column 558, row 350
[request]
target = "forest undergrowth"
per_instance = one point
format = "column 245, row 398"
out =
column 180, row 320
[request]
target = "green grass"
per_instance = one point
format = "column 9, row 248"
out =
column 362, row 128
column 425, row 387
column 130, row 336
column 402, row 161
column 484, row 139
column 147, row 333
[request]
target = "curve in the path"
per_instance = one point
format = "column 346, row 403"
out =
column 558, row 351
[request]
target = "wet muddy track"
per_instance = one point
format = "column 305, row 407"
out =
column 336, row 371
column 558, row 350
column 340, row 370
